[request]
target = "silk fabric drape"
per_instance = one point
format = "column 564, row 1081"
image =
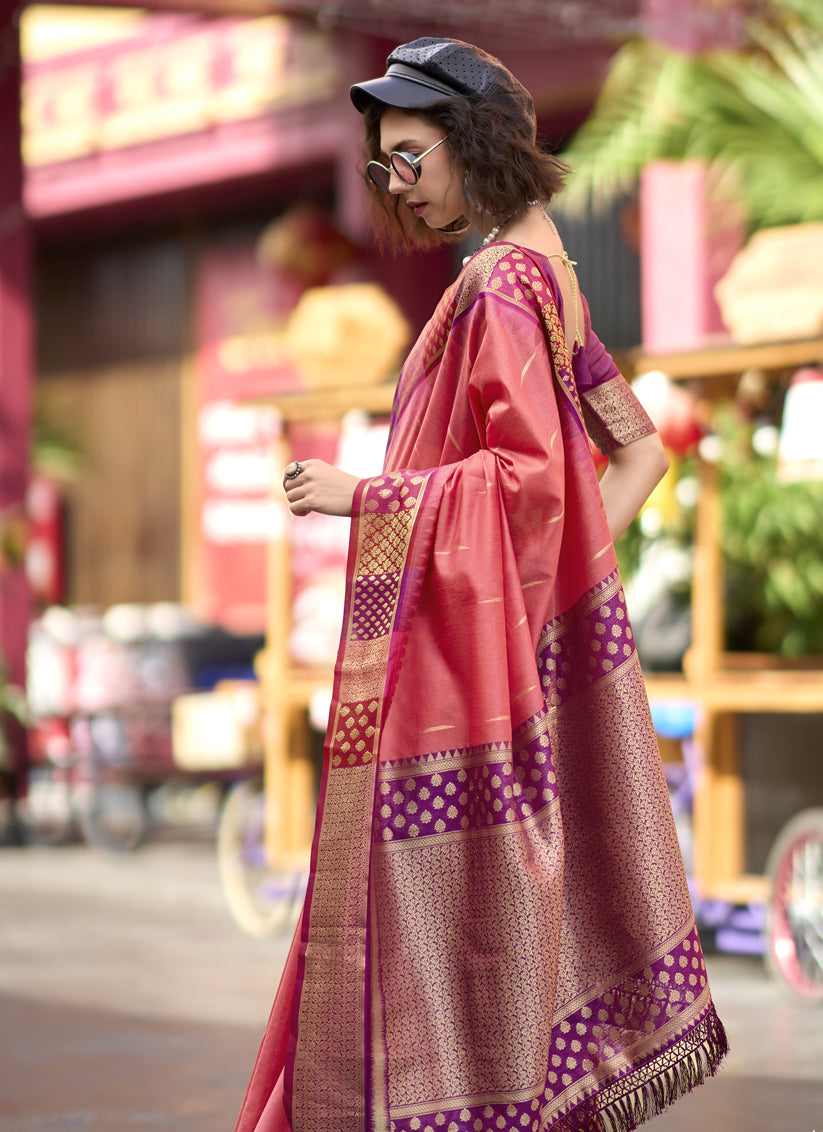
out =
column 497, row 932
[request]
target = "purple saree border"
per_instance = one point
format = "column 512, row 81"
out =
column 588, row 1079
column 588, row 645
column 467, row 789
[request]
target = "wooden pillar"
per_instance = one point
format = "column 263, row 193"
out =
column 719, row 807
column 719, row 800
column 288, row 775
column 705, row 654
column 16, row 377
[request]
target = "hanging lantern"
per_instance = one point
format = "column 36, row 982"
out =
column 800, row 447
column 672, row 410
column 304, row 243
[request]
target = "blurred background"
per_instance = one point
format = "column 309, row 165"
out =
column 189, row 295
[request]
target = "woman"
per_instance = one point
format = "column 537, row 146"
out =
column 497, row 933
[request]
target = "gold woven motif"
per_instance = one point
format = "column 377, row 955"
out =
column 479, row 272
column 383, row 539
column 637, row 833
column 355, row 731
column 476, row 920
column 605, row 591
column 329, row 1089
column 614, row 417
column 373, row 606
column 366, row 667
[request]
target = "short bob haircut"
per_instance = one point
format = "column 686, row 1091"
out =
column 505, row 167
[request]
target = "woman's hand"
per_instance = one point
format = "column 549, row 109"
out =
column 320, row 487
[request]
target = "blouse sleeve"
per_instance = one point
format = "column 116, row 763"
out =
column 614, row 417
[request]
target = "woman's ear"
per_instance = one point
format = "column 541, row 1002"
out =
column 468, row 191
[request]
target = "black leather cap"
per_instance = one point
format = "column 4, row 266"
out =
column 427, row 71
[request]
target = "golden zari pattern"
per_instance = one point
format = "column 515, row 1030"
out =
column 478, row 858
column 330, row 1055
column 614, row 417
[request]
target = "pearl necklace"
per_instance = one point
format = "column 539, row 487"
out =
column 495, row 232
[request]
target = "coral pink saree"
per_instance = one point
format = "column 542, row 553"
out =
column 497, row 934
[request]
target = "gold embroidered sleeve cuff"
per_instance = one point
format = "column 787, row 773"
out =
column 614, row 417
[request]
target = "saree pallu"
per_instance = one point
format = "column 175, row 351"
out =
column 497, row 934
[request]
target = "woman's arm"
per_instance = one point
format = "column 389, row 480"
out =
column 634, row 471
column 319, row 487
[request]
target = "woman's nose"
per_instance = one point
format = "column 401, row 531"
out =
column 397, row 184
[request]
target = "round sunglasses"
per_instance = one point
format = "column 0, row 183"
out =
column 405, row 165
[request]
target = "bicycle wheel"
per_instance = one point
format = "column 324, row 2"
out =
column 48, row 810
column 794, row 951
column 262, row 899
column 113, row 813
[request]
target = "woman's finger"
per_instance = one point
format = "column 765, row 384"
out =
column 293, row 472
column 298, row 504
column 297, row 490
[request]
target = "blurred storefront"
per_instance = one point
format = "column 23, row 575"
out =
column 154, row 161
column 160, row 150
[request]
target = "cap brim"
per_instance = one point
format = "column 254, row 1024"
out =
column 402, row 93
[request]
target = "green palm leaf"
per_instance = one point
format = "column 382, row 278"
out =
column 755, row 117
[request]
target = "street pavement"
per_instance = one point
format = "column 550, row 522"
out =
column 129, row 1001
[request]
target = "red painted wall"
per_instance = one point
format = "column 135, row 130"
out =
column 15, row 383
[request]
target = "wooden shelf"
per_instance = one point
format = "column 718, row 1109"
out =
column 303, row 683
column 327, row 404
column 727, row 359
column 744, row 889
column 746, row 691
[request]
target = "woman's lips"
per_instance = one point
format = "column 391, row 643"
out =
column 417, row 206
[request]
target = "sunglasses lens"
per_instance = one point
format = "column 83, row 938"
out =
column 404, row 168
column 379, row 175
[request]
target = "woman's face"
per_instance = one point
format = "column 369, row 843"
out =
column 437, row 196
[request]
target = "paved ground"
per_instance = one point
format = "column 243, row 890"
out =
column 129, row 1000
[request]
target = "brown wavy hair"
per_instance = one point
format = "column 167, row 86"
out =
column 493, row 144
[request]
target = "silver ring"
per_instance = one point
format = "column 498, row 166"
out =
column 298, row 468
